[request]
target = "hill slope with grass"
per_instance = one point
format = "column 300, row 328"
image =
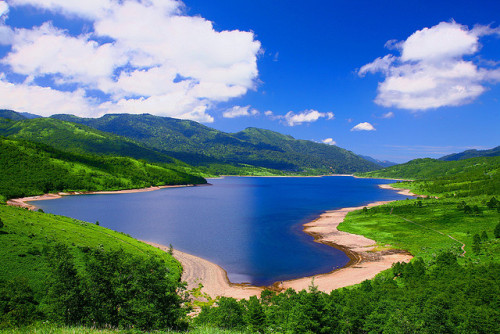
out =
column 72, row 272
column 200, row 145
column 28, row 168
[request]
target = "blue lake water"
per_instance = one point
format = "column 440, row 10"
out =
column 251, row 226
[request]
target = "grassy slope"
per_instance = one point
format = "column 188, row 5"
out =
column 28, row 168
column 28, row 232
column 437, row 219
column 473, row 181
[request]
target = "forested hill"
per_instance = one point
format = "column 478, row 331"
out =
column 78, row 138
column 200, row 145
column 469, row 177
column 494, row 152
column 28, row 168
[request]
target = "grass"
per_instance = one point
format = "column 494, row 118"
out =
column 425, row 231
column 26, row 233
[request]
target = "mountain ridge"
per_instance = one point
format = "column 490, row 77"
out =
column 200, row 145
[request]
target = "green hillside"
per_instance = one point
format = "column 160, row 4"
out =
column 494, row 152
column 200, row 145
column 28, row 168
column 78, row 138
column 470, row 177
column 68, row 271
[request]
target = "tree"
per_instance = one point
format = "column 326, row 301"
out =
column 17, row 304
column 496, row 232
column 476, row 243
column 64, row 300
column 492, row 203
column 256, row 318
column 1, row 223
column 484, row 236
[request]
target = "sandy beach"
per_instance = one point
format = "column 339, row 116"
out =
column 366, row 260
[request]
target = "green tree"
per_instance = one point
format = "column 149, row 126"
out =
column 255, row 316
column 496, row 232
column 18, row 306
column 484, row 236
column 63, row 301
column 492, row 203
column 1, row 223
column 476, row 243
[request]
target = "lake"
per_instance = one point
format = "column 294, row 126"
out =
column 250, row 226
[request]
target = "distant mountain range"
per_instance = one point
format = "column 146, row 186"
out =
column 202, row 146
column 494, row 152
column 383, row 163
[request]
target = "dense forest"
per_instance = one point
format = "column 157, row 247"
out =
column 202, row 146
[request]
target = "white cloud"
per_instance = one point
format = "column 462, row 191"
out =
column 431, row 71
column 389, row 114
column 44, row 101
column 268, row 113
column 306, row 116
column 365, row 126
column 155, row 59
column 4, row 8
column 329, row 141
column 238, row 111
column 89, row 9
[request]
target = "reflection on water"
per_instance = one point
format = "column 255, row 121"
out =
column 250, row 226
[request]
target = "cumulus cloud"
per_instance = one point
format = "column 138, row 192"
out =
column 238, row 111
column 432, row 70
column 329, row 141
column 41, row 100
column 141, row 56
column 306, row 116
column 365, row 126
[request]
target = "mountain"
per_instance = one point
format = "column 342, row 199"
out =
column 494, row 152
column 200, row 145
column 382, row 163
column 12, row 115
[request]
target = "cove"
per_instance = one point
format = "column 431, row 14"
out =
column 250, row 226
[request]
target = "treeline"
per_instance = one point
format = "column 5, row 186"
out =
column 437, row 297
column 107, row 289
column 28, row 168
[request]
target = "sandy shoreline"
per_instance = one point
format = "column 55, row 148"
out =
column 22, row 202
column 366, row 262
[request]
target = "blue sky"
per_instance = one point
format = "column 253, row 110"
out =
column 395, row 80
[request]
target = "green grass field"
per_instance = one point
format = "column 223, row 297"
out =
column 425, row 230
